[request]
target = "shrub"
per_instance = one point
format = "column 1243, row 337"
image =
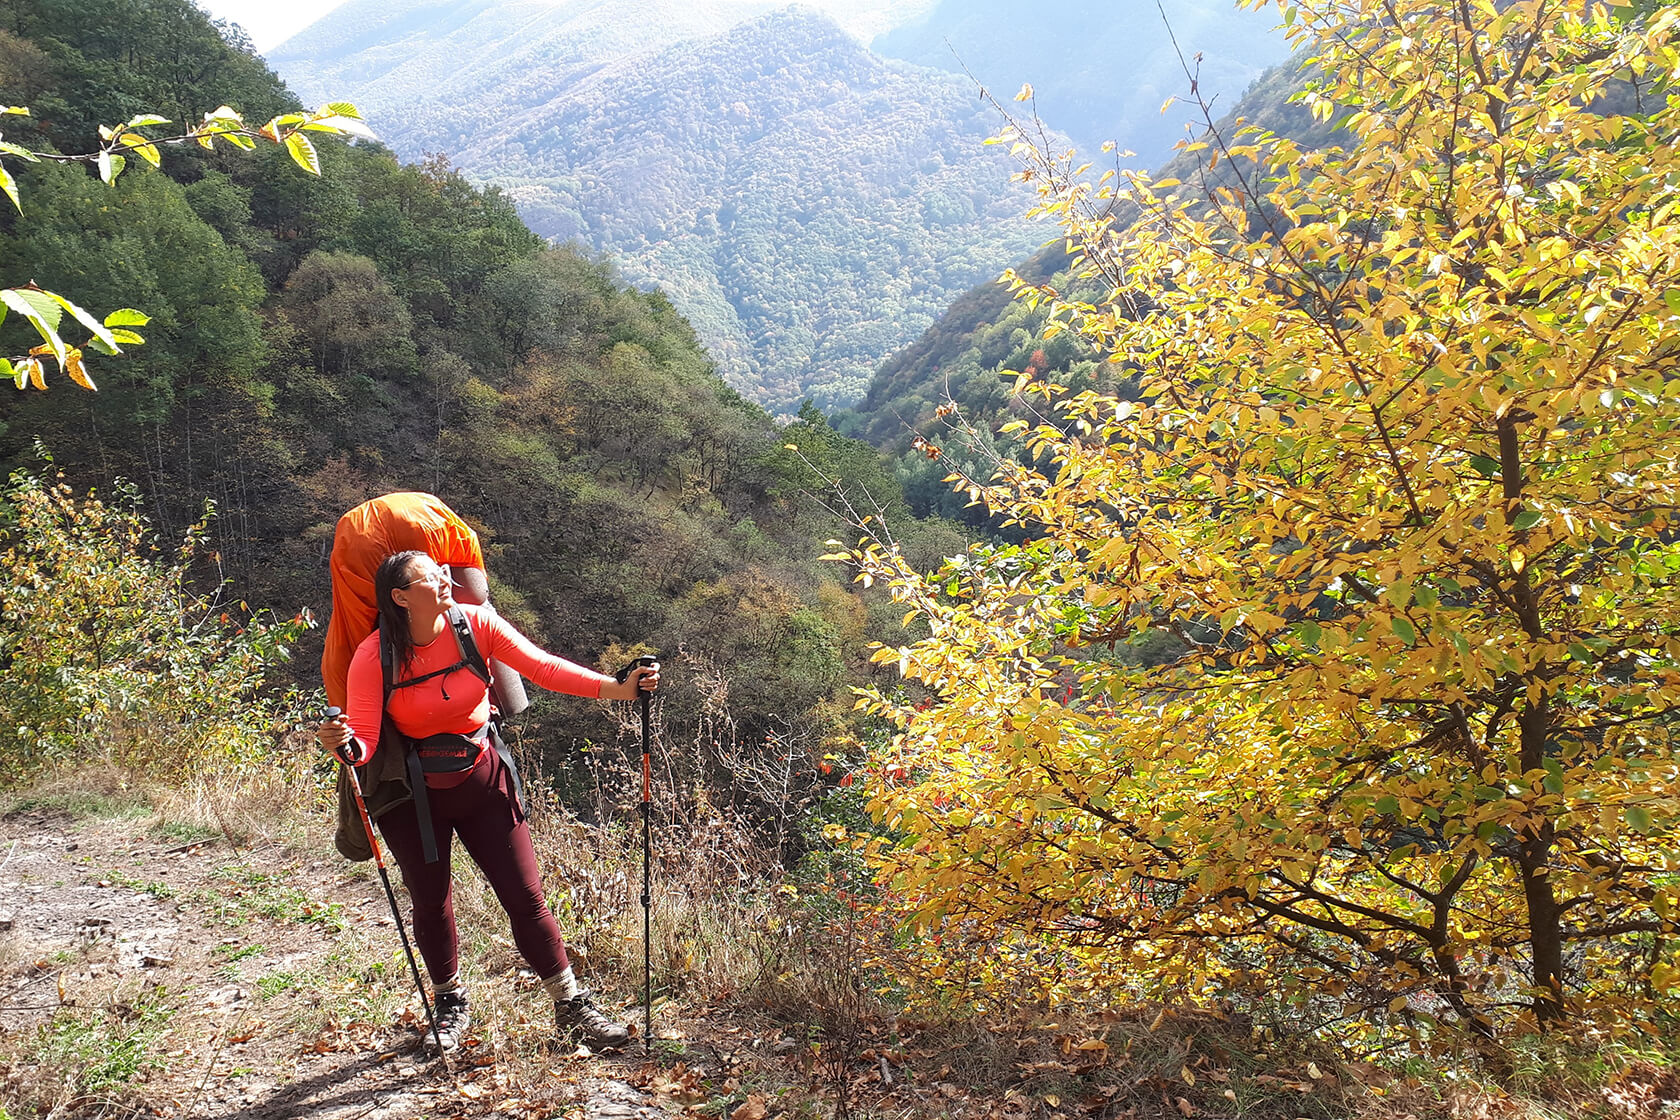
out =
column 109, row 649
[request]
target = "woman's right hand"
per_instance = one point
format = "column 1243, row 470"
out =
column 335, row 738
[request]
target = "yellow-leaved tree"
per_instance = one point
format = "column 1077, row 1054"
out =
column 1402, row 479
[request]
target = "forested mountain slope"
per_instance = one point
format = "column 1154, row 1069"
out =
column 314, row 342
column 1106, row 80
column 808, row 206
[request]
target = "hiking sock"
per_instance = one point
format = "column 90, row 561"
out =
column 563, row 985
column 448, row 987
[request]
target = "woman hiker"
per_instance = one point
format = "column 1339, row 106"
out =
column 439, row 704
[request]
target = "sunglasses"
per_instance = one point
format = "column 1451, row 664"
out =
column 439, row 578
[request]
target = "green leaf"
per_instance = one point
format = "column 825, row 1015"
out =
column 1581, row 653
column 127, row 317
column 303, row 153
column 110, row 166
column 100, row 334
column 1310, row 632
column 1405, row 630
column 43, row 314
column 19, row 151
column 1638, row 818
column 1387, row 804
column 145, row 119
column 9, row 185
column 1672, row 298
column 1527, row 519
column 127, row 337
column 1484, row 465
column 6, row 370
column 35, row 305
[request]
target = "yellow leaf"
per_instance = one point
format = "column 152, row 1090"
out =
column 73, row 367
column 303, row 153
column 141, row 147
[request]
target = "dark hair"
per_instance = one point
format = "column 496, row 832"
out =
column 393, row 619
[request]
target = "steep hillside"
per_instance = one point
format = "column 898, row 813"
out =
column 1102, row 68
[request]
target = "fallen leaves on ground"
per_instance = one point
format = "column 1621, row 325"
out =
column 753, row 1108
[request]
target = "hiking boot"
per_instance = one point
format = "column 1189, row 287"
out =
column 453, row 1019
column 580, row 1017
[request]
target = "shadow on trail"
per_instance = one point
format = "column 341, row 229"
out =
column 342, row 1092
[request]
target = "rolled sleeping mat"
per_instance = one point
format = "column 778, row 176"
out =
column 510, row 689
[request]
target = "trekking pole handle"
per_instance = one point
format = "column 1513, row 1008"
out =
column 644, row 662
column 353, row 754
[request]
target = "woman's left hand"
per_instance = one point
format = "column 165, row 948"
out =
column 643, row 678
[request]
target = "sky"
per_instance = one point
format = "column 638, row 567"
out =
column 269, row 24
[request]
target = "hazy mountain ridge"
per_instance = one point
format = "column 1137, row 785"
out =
column 413, row 67
column 1108, row 81
column 417, row 63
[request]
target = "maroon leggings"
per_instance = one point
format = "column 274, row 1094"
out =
column 484, row 813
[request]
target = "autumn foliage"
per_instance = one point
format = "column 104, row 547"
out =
column 1402, row 481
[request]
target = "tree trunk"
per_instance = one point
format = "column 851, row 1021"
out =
column 1534, row 848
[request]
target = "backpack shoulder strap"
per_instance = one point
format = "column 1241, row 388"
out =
column 470, row 656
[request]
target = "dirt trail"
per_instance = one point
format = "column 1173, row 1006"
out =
column 185, row 978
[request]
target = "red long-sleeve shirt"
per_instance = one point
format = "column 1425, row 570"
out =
column 424, row 709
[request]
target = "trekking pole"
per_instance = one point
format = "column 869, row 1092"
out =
column 644, row 701
column 391, row 896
